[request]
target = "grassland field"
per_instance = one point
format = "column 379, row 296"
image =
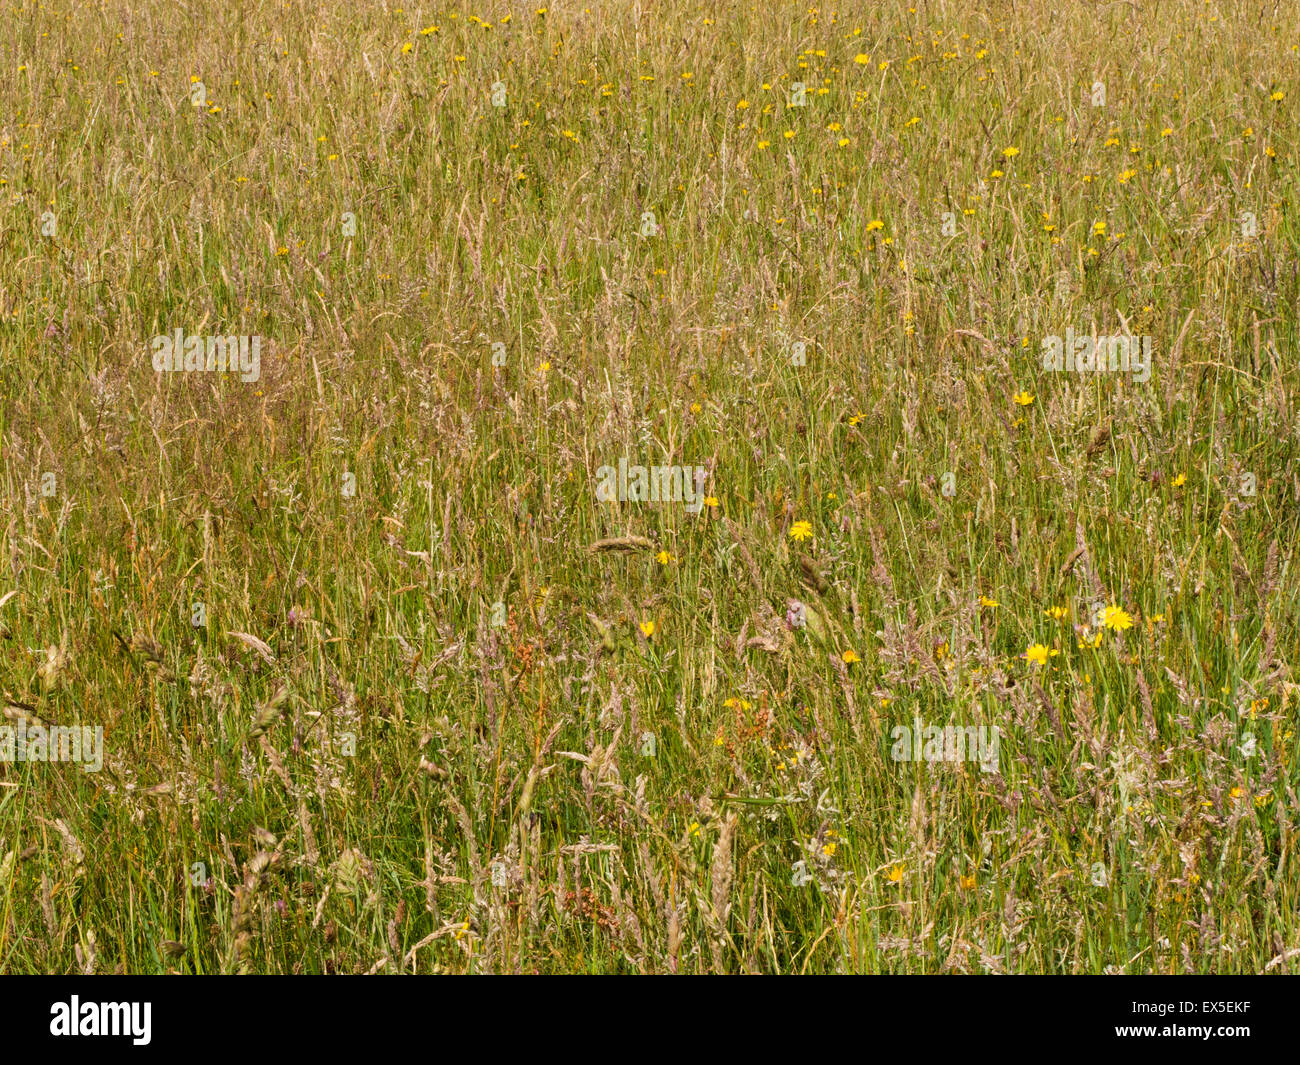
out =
column 388, row 665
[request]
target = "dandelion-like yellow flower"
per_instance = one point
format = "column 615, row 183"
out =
column 1037, row 652
column 1117, row 620
column 1023, row 398
column 850, row 657
column 896, row 874
column 801, row 530
column 647, row 629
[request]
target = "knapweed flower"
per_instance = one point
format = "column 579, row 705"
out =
column 1037, row 652
column 1117, row 620
column 801, row 530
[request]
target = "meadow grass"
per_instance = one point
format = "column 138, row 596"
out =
column 670, row 748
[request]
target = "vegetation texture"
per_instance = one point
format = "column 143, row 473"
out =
column 820, row 255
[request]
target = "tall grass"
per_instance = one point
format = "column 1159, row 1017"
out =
column 372, row 776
